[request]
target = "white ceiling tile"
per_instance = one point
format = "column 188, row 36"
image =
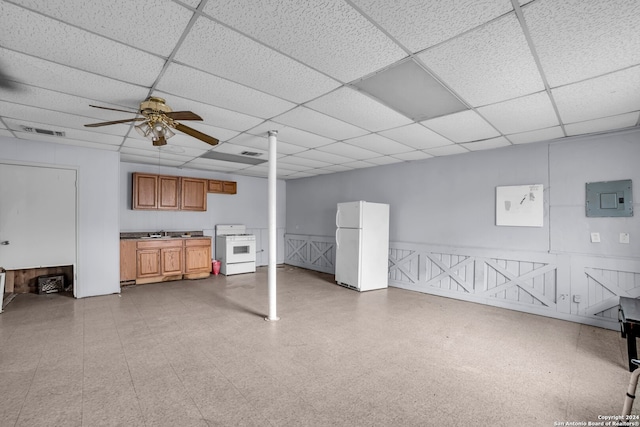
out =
column 190, row 83
column 192, row 3
column 579, row 39
column 237, row 149
column 133, row 158
column 292, row 161
column 318, row 123
column 292, row 135
column 487, row 144
column 359, row 164
column 49, row 75
column 337, row 168
column 465, row 126
column 413, row 155
column 447, row 150
column 5, row 132
column 69, row 133
column 604, row 96
column 66, row 141
column 46, row 38
column 490, row 64
column 301, row 175
column 243, row 60
column 213, row 164
column 386, row 160
column 170, row 148
column 329, row 36
column 123, row 20
column 521, row 114
column 358, row 109
column 211, row 115
column 379, row 144
column 323, row 157
column 600, row 125
column 53, row 119
column 262, row 143
column 419, row 24
column 536, row 135
column 350, row 151
column 416, row 136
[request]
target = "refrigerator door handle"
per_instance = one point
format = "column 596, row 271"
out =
column 337, row 241
column 337, row 217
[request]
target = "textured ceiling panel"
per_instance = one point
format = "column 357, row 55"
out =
column 300, row 161
column 190, row 83
column 413, row 155
column 379, row 144
column 487, row 144
column 65, row 141
column 4, row 132
column 350, row 151
column 419, row 24
column 536, row 135
column 245, row 61
column 331, row 36
column 465, row 126
column 521, row 114
column 447, row 150
column 604, row 124
column 121, row 20
column 358, row 109
column 323, row 156
column 388, row 160
column 487, row 65
column 599, row 97
column 312, row 121
column 132, row 158
column 69, row 133
column 49, row 75
column 47, row 38
column 292, row 135
column 569, row 34
column 416, row 136
column 262, row 143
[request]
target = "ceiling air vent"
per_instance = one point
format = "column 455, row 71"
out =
column 251, row 153
column 42, row 131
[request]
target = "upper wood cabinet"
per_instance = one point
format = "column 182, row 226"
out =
column 145, row 191
column 222, row 187
column 167, row 192
column 194, row 194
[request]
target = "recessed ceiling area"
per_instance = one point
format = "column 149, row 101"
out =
column 409, row 89
column 348, row 84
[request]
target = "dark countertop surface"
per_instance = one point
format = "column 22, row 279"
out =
column 170, row 235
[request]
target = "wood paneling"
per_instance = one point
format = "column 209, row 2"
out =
column 193, row 194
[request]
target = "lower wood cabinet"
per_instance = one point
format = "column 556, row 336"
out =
column 161, row 260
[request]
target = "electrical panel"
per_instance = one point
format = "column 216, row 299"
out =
column 609, row 199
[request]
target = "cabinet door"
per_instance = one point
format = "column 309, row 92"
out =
column 171, row 261
column 198, row 259
column 229, row 187
column 127, row 260
column 215, row 186
column 193, row 194
column 145, row 191
column 168, row 192
column 148, row 262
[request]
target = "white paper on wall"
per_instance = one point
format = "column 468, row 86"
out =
column 520, row 205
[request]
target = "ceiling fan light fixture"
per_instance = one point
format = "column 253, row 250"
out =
column 143, row 129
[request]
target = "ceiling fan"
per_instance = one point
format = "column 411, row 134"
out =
column 157, row 121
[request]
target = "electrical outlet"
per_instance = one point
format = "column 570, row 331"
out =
column 624, row 238
column 595, row 237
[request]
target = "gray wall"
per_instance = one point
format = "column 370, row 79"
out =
column 451, row 200
column 443, row 237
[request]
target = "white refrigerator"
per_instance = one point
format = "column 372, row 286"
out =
column 362, row 245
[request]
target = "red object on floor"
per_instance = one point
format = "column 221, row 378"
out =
column 215, row 267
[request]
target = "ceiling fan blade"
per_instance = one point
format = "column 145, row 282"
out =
column 115, row 122
column 196, row 134
column 183, row 115
column 114, row 109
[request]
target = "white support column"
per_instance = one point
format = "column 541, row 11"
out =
column 273, row 236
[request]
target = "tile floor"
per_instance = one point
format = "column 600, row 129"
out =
column 198, row 353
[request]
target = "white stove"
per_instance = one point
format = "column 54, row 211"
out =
column 235, row 249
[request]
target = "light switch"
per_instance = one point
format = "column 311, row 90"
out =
column 595, row 237
column 624, row 238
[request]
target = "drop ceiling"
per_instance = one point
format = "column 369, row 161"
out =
column 337, row 79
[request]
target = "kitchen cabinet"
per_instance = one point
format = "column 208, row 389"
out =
column 222, row 187
column 145, row 191
column 193, row 194
column 160, row 260
column 127, row 260
column 197, row 257
column 168, row 192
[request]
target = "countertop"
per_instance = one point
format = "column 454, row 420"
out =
column 145, row 235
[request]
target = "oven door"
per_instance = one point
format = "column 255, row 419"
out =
column 240, row 251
